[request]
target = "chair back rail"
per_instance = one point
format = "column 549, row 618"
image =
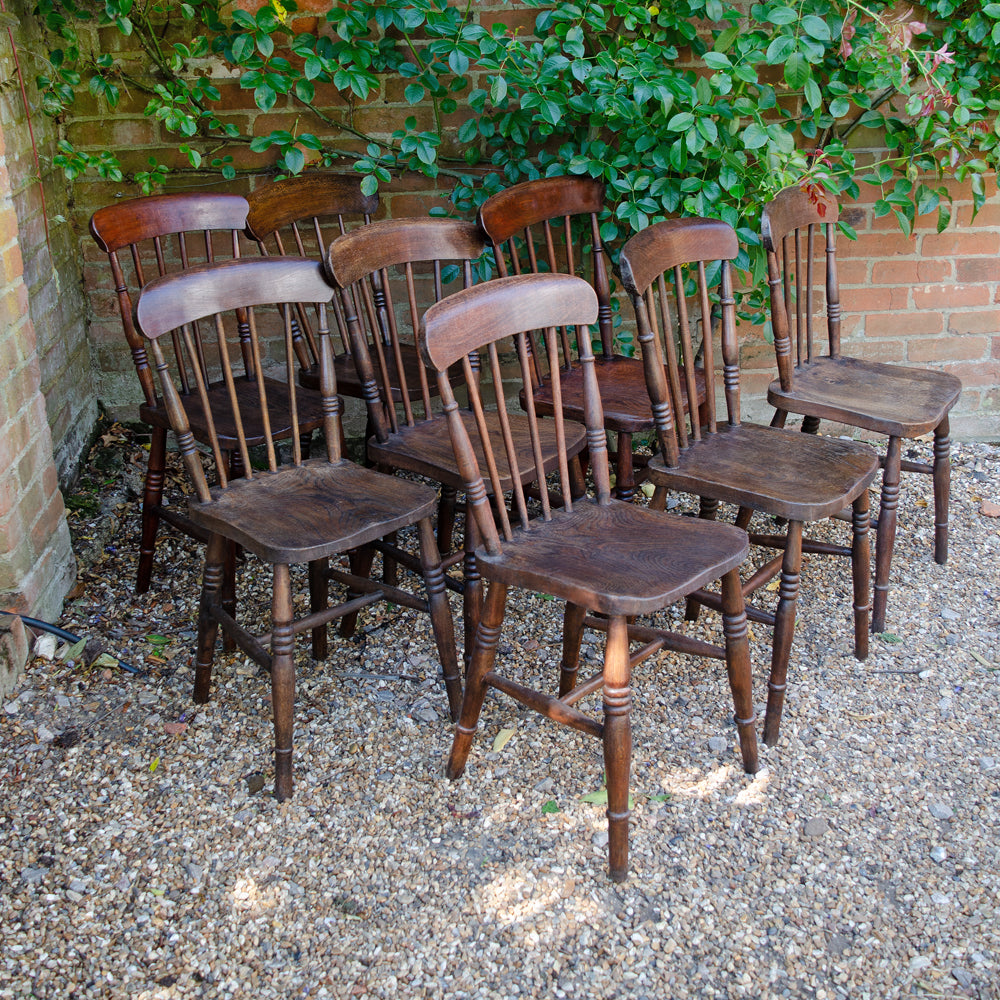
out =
column 173, row 304
column 361, row 264
column 551, row 225
column 665, row 268
column 477, row 319
column 790, row 226
column 301, row 216
column 164, row 234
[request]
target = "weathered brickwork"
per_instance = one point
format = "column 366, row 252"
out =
column 51, row 258
column 36, row 561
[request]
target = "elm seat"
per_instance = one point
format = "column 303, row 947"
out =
column 766, row 469
column 890, row 400
column 599, row 554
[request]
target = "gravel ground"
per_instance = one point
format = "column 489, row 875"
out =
column 142, row 854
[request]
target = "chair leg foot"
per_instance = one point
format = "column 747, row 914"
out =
column 208, row 623
column 617, row 743
column 738, row 667
column 152, row 498
column 282, row 680
column 572, row 638
column 861, row 574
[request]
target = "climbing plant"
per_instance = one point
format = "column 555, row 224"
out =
column 692, row 107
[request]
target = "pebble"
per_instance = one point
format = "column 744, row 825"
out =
column 816, row 827
column 717, row 744
column 938, row 854
column 962, row 977
column 940, row 810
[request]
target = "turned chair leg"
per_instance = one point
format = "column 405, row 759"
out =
column 361, row 565
column 624, row 469
column 472, row 588
column 810, row 425
column 572, row 638
column 282, row 680
column 942, row 490
column 483, row 657
column 738, row 667
column 446, row 519
column 885, row 537
column 319, row 593
column 208, row 622
column 707, row 511
column 617, row 737
column 861, row 573
column 152, row 498
column 784, row 631
column 442, row 624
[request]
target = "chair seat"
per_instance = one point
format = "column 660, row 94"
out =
column 887, row 399
column 617, row 559
column 310, row 412
column 425, row 448
column 801, row 477
column 624, row 397
column 301, row 513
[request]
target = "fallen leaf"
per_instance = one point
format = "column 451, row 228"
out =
column 155, row 764
column 174, row 728
column 550, row 807
column 598, row 798
column 105, row 660
column 980, row 659
column 502, row 739
column 73, row 652
column 990, row 509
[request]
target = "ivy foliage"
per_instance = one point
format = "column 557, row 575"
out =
column 695, row 107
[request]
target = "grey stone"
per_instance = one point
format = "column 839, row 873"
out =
column 816, row 827
column 962, row 977
column 194, row 872
column 939, row 854
column 950, row 614
column 987, row 763
column 940, row 810
column 837, row 944
column 717, row 744
column 33, row 876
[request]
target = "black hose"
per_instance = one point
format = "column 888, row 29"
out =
column 61, row 633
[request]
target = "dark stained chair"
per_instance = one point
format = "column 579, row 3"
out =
column 148, row 237
column 409, row 434
column 302, row 216
column 298, row 510
column 550, row 225
column 597, row 554
column 788, row 475
column 891, row 400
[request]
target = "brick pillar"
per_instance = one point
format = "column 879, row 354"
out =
column 37, row 566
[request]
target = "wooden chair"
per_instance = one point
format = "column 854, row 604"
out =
column 297, row 511
column 791, row 476
column 550, row 225
column 599, row 555
column 301, row 216
column 409, row 435
column 149, row 237
column 890, row 400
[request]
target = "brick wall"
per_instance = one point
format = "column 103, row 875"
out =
column 930, row 299
column 56, row 297
column 36, row 562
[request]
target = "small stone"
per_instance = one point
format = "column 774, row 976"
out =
column 978, row 957
column 961, row 977
column 919, row 962
column 944, row 705
column 11, row 707
column 194, row 872
column 816, row 827
column 940, row 810
column 255, row 782
column 45, row 646
column 123, row 884
column 987, row 763
column 938, row 854
column 940, row 899
column 62, row 701
column 294, row 889
column 989, row 509
column 544, row 785
column 717, row 744
column 33, row 876
column 600, row 839
column 837, row 944
column 45, row 735
column 147, row 698
column 951, row 639
column 924, row 674
column 77, row 885
column 74, row 897
column 950, row 614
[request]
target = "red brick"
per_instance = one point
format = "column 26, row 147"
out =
column 875, row 245
column 942, row 296
column 981, row 269
column 904, row 324
column 878, row 299
column 853, row 272
column 983, row 321
column 955, row 348
column 909, row 272
column 949, row 244
column 976, row 373
column 886, row 351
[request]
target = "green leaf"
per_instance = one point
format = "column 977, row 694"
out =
column 414, row 93
column 680, row 122
column 598, row 798
column 781, row 15
column 796, row 71
column 780, row 50
column 754, row 136
column 295, row 160
column 816, row 27
column 264, row 97
column 498, row 91
column 550, row 807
